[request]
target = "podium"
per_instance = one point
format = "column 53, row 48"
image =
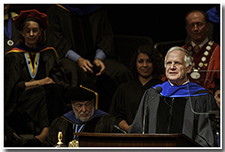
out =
column 134, row 140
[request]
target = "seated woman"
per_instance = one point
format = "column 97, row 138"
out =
column 147, row 69
column 34, row 81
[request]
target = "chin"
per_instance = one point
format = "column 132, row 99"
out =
column 32, row 43
column 84, row 119
column 145, row 75
column 172, row 78
column 197, row 38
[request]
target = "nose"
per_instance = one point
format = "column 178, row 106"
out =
column 172, row 66
column 83, row 108
column 145, row 64
column 195, row 27
column 31, row 32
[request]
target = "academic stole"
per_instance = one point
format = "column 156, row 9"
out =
column 75, row 141
column 32, row 69
column 8, row 32
column 77, row 129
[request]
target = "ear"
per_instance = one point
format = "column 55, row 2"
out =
column 21, row 33
column 186, row 27
column 189, row 68
column 207, row 26
column 40, row 31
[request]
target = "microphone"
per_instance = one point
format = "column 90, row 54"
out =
column 158, row 90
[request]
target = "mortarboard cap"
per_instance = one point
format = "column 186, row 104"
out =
column 83, row 93
column 31, row 15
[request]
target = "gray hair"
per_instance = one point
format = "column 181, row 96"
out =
column 187, row 58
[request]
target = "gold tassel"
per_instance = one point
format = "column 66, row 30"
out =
column 96, row 95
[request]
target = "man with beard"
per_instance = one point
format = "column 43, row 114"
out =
column 84, row 116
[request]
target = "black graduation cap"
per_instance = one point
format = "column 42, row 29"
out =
column 83, row 93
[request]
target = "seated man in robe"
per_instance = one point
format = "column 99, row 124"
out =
column 84, row 117
column 177, row 105
column 83, row 38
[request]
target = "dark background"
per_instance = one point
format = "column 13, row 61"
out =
column 160, row 22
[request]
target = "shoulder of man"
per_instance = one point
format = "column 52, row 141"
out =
column 59, row 124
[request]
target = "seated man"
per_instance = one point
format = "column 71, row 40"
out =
column 83, row 117
column 181, row 106
column 83, row 38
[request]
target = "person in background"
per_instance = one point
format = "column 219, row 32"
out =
column 147, row 68
column 206, row 53
column 214, row 25
column 11, row 34
column 177, row 105
column 216, row 93
column 84, row 40
column 216, row 115
column 34, row 81
column 11, row 39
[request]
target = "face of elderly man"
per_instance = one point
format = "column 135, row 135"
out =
column 176, row 67
column 83, row 110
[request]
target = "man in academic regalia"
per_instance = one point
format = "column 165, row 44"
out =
column 180, row 107
column 84, row 116
column 206, row 53
column 84, row 40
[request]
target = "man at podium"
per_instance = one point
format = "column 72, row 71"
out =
column 177, row 105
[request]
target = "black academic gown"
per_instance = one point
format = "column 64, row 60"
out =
column 126, row 99
column 163, row 116
column 42, row 104
column 83, row 34
column 100, row 122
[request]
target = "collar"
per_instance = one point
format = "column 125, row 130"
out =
column 182, row 84
column 186, row 90
column 201, row 44
column 24, row 48
column 34, row 50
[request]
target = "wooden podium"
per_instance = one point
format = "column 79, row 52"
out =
column 134, row 140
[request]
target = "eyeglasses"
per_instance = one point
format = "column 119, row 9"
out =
column 78, row 106
column 199, row 25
